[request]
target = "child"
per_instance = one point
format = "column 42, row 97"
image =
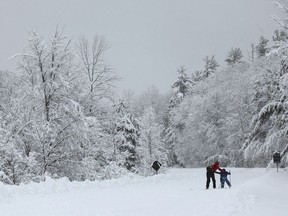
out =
column 223, row 178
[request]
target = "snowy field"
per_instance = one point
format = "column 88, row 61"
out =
column 254, row 192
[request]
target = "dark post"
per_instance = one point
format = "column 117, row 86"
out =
column 276, row 158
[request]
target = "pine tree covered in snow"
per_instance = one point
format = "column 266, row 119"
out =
column 262, row 47
column 210, row 67
column 234, row 56
column 280, row 36
column 127, row 139
column 269, row 125
column 181, row 87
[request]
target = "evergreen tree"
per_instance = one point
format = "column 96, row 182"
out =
column 269, row 125
column 127, row 139
column 211, row 66
column 280, row 36
column 261, row 48
column 234, row 56
column 181, row 87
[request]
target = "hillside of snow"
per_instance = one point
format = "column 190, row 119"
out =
column 182, row 192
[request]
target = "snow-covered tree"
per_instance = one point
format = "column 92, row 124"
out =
column 98, row 78
column 54, row 120
column 211, row 66
column 127, row 139
column 282, row 22
column 151, row 97
column 280, row 36
column 14, row 165
column 150, row 140
column 269, row 124
column 262, row 47
column 215, row 119
column 234, row 56
column 181, row 87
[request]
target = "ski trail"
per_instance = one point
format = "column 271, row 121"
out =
column 236, row 201
column 177, row 192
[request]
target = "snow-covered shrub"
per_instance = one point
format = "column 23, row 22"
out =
column 113, row 170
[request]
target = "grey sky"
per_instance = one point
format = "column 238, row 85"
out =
column 149, row 39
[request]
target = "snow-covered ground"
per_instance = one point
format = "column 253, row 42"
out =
column 254, row 192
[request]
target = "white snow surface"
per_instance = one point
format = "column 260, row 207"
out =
column 254, row 192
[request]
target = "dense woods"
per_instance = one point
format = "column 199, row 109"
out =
column 61, row 115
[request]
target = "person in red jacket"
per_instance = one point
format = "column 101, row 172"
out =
column 215, row 167
column 210, row 174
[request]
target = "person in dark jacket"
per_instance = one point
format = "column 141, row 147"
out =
column 223, row 178
column 210, row 170
column 156, row 166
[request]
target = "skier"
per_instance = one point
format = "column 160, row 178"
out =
column 156, row 166
column 210, row 170
column 223, row 177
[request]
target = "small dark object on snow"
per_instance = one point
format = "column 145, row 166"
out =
column 277, row 158
column 156, row 166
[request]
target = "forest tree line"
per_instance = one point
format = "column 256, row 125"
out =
column 60, row 114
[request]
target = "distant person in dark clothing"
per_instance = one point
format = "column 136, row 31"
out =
column 210, row 175
column 156, row 166
column 210, row 170
column 223, row 178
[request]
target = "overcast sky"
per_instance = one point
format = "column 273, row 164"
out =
column 149, row 39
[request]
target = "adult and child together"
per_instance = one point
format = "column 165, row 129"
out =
column 210, row 174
